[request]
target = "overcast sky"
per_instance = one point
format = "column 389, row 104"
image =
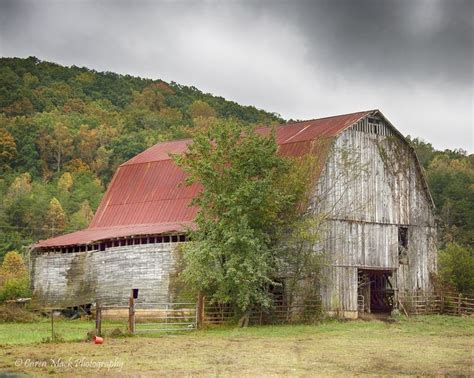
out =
column 413, row 60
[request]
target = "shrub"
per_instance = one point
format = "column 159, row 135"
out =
column 13, row 312
column 14, row 288
column 14, row 280
column 456, row 267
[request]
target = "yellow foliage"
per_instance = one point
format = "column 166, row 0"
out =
column 7, row 147
column 201, row 109
column 13, row 264
column 56, row 216
column 21, row 185
column 65, row 182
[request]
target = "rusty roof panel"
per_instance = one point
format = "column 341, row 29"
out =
column 97, row 234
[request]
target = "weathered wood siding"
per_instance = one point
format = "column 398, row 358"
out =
column 68, row 279
column 371, row 184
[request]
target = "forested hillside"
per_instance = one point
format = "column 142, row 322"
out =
column 450, row 176
column 64, row 130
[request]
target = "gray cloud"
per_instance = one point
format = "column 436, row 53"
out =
column 303, row 59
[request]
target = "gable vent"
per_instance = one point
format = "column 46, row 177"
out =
column 373, row 126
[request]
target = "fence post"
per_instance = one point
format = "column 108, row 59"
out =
column 200, row 311
column 131, row 314
column 52, row 325
column 98, row 320
column 459, row 304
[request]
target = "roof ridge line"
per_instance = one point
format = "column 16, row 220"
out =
column 334, row 116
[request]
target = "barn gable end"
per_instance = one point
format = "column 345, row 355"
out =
column 373, row 193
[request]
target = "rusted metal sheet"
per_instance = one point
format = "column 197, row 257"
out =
column 148, row 196
column 97, row 234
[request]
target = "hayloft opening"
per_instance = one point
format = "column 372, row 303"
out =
column 403, row 245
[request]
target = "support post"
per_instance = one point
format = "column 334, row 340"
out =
column 200, row 311
column 98, row 320
column 459, row 304
column 131, row 314
column 52, row 325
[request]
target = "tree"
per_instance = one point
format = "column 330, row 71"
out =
column 56, row 218
column 65, row 182
column 13, row 264
column 456, row 267
column 424, row 150
column 57, row 145
column 201, row 109
column 81, row 218
column 87, row 142
column 243, row 206
column 7, row 149
column 451, row 180
column 14, row 280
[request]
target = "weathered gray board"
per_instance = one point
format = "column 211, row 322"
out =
column 371, row 184
column 70, row 279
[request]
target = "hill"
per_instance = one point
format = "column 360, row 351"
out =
column 64, row 130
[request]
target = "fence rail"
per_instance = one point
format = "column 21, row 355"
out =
column 443, row 303
column 149, row 317
column 277, row 314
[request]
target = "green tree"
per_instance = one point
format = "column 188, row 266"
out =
column 14, row 280
column 456, row 267
column 242, row 207
column 202, row 109
column 81, row 218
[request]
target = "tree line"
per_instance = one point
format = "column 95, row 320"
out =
column 450, row 176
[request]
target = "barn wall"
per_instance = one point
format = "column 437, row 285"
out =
column 67, row 279
column 371, row 185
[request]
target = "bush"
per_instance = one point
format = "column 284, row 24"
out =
column 14, row 280
column 14, row 288
column 13, row 312
column 456, row 267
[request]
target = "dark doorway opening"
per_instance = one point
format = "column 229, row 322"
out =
column 375, row 291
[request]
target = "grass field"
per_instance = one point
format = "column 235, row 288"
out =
column 425, row 345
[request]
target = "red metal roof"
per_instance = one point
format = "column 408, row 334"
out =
column 147, row 196
column 97, row 234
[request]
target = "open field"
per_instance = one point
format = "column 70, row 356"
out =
column 425, row 345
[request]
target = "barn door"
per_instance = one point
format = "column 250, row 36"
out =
column 375, row 291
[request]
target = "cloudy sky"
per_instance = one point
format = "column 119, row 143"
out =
column 303, row 59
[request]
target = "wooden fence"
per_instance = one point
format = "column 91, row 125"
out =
column 277, row 314
column 443, row 303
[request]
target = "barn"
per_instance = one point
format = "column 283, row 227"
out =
column 379, row 231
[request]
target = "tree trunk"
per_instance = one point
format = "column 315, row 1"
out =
column 244, row 320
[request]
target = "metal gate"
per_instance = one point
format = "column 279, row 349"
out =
column 164, row 317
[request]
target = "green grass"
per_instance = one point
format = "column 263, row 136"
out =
column 424, row 345
column 37, row 332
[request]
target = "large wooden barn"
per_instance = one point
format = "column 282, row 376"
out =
column 379, row 233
